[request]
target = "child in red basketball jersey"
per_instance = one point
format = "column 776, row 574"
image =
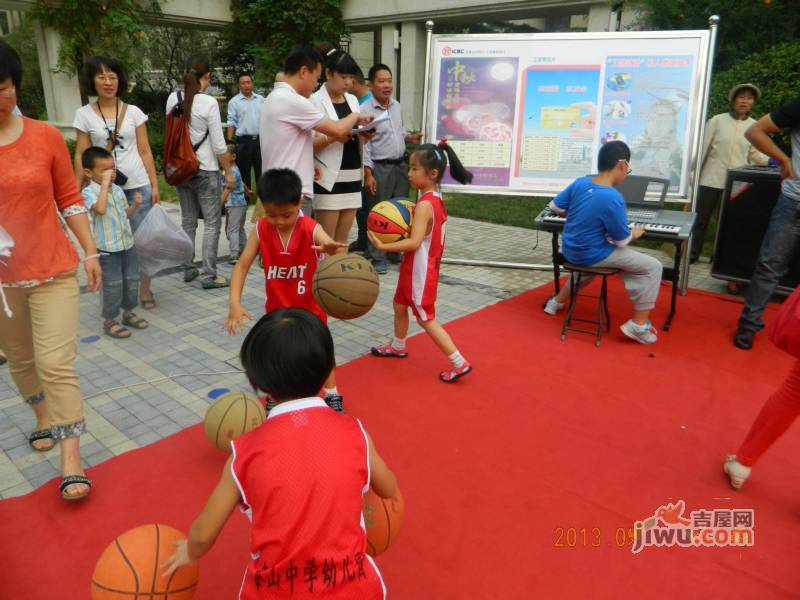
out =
column 288, row 243
column 422, row 258
column 299, row 477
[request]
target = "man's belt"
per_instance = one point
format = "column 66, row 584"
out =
column 246, row 138
column 389, row 161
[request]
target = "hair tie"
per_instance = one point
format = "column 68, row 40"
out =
column 442, row 143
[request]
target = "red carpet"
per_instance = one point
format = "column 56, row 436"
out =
column 543, row 435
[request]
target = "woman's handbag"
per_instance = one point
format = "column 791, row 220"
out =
column 785, row 329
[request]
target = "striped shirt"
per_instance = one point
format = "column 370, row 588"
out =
column 112, row 231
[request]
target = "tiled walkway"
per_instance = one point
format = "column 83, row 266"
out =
column 157, row 382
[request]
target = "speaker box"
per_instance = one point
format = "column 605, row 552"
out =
column 751, row 193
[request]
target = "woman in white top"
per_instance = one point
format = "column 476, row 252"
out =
column 724, row 147
column 200, row 195
column 121, row 128
column 337, row 191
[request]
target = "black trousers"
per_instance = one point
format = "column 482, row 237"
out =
column 707, row 204
column 248, row 156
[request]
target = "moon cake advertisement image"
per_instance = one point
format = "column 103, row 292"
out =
column 476, row 114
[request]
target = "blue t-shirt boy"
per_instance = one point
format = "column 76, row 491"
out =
column 236, row 197
column 597, row 221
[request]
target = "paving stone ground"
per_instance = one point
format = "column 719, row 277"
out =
column 145, row 388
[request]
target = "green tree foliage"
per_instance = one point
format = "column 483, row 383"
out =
column 746, row 26
column 774, row 71
column 263, row 31
column 88, row 27
column 31, row 97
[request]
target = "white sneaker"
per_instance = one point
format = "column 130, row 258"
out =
column 646, row 335
column 551, row 307
column 737, row 472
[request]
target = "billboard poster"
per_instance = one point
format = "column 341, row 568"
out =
column 476, row 114
column 645, row 104
column 527, row 113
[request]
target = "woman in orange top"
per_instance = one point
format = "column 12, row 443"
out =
column 39, row 303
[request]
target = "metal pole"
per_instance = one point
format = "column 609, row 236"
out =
column 500, row 265
column 713, row 22
column 426, row 87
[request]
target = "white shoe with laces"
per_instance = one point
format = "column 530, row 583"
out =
column 736, row 471
column 551, row 307
column 645, row 334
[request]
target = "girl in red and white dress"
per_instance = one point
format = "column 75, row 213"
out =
column 422, row 258
column 289, row 244
column 299, row 477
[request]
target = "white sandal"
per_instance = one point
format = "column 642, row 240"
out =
column 736, row 471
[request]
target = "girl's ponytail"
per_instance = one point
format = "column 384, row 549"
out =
column 457, row 170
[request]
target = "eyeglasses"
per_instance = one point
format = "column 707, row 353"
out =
column 627, row 164
column 106, row 78
column 8, row 92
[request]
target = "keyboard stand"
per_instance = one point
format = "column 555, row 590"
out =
column 672, row 273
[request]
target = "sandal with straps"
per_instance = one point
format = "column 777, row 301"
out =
column 42, row 434
column 115, row 330
column 131, row 320
column 71, row 480
column 148, row 303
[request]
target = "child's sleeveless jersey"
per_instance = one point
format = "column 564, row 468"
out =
column 289, row 269
column 419, row 271
column 302, row 474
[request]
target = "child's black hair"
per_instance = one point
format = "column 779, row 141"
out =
column 432, row 156
column 288, row 354
column 231, row 148
column 95, row 66
column 611, row 153
column 91, row 154
column 10, row 64
column 280, row 186
column 302, row 56
column 373, row 70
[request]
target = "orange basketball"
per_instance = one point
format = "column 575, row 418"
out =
column 384, row 519
column 232, row 415
column 131, row 567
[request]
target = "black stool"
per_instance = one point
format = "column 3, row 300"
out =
column 603, row 318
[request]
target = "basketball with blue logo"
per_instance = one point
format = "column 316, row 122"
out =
column 390, row 220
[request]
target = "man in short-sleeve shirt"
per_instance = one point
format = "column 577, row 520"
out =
column 781, row 239
column 288, row 118
column 244, row 117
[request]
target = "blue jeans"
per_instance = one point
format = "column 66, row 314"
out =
column 120, row 282
column 144, row 208
column 779, row 246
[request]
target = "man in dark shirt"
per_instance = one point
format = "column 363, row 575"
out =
column 782, row 237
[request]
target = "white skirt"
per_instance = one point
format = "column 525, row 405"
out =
column 337, row 199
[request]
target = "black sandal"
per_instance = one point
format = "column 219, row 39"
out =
column 115, row 330
column 73, row 479
column 41, row 434
column 131, row 320
column 148, row 303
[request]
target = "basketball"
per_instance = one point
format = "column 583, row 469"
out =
column 390, row 220
column 130, row 567
column 345, row 286
column 384, row 519
column 230, row 416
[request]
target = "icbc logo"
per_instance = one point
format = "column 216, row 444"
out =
column 447, row 51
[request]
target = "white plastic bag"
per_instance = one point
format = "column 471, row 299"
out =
column 6, row 244
column 161, row 243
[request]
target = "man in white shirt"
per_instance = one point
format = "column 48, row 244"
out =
column 288, row 118
column 244, row 116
